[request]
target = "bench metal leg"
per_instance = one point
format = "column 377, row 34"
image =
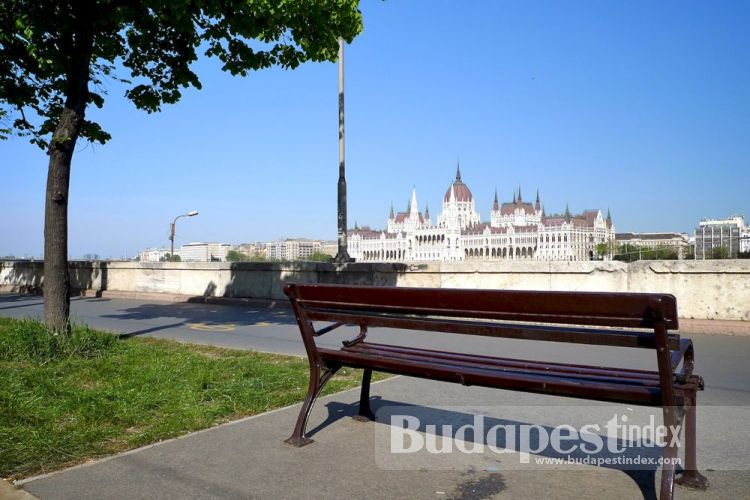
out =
column 669, row 456
column 317, row 382
column 365, row 414
column 690, row 477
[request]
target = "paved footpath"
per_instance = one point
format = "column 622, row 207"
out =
column 350, row 459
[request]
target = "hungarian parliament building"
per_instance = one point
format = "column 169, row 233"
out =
column 517, row 230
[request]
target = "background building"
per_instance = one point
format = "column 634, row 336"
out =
column 329, row 248
column 721, row 238
column 251, row 249
column 292, row 249
column 517, row 230
column 204, row 252
column 678, row 242
column 153, row 254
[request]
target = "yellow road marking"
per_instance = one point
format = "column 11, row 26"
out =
column 203, row 327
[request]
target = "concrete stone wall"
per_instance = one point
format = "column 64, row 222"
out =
column 240, row 280
column 718, row 289
column 27, row 276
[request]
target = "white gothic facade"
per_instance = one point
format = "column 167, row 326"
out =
column 517, row 230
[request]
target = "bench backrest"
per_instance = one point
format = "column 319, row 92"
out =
column 440, row 309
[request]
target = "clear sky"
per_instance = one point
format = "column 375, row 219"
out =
column 640, row 107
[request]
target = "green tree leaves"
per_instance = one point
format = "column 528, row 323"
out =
column 150, row 45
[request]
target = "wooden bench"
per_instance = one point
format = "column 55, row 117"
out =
column 636, row 320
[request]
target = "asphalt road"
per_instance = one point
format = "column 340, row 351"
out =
column 721, row 360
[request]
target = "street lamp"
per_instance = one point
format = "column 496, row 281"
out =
column 342, row 256
column 172, row 225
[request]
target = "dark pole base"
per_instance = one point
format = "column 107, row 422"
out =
column 342, row 258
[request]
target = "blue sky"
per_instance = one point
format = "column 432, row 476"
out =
column 640, row 107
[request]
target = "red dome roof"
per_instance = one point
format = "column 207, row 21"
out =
column 460, row 189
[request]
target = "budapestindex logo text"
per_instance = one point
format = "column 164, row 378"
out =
column 409, row 435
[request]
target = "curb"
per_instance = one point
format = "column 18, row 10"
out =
column 10, row 492
column 715, row 327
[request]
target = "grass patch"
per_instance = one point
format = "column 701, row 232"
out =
column 65, row 401
column 30, row 340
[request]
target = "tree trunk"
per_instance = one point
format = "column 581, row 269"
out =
column 56, row 279
column 61, row 148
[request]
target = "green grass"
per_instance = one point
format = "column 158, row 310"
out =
column 65, row 401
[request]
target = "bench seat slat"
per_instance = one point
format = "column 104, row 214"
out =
column 528, row 382
column 593, row 336
column 612, row 377
column 618, row 375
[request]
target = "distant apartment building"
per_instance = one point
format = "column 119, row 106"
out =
column 251, row 249
column 330, row 248
column 679, row 242
column 292, row 249
column 204, row 252
column 153, row 254
column 722, row 237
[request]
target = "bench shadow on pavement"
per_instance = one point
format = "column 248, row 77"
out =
column 644, row 476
